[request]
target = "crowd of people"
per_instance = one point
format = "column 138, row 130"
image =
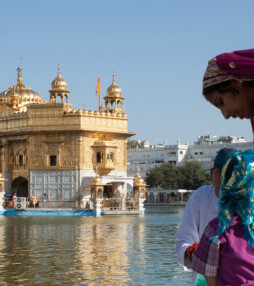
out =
column 10, row 200
column 215, row 239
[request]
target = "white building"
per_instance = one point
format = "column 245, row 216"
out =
column 204, row 151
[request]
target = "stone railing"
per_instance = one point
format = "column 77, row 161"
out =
column 120, row 204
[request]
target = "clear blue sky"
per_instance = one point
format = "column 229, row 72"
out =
column 159, row 50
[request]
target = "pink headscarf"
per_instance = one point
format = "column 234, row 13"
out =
column 237, row 65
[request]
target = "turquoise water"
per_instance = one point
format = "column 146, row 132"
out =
column 117, row 250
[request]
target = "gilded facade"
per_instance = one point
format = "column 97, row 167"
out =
column 48, row 147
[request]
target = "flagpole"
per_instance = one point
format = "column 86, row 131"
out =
column 99, row 100
column 98, row 90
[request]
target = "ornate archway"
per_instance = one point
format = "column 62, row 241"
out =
column 20, row 187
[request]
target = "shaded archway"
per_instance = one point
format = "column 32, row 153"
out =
column 20, row 187
column 108, row 191
column 152, row 198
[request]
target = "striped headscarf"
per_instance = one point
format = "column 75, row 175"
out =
column 237, row 193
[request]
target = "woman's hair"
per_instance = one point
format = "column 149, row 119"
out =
column 225, row 86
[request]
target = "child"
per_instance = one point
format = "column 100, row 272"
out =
column 225, row 254
column 201, row 208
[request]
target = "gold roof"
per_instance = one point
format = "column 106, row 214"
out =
column 20, row 91
column 138, row 181
column 59, row 84
column 96, row 180
column 114, row 90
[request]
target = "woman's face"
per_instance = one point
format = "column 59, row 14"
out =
column 233, row 105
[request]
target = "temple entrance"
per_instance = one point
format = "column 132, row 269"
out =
column 20, row 187
column 108, row 191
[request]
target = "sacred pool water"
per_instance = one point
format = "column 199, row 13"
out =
column 117, row 250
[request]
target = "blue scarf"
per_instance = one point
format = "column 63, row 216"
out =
column 237, row 193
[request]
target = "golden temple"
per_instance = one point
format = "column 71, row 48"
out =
column 49, row 148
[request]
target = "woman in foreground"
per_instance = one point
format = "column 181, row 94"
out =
column 228, row 83
column 225, row 254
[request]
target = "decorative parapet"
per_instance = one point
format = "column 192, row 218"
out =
column 45, row 117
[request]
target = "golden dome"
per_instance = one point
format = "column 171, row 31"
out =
column 114, row 90
column 24, row 95
column 21, row 93
column 59, row 83
column 96, row 180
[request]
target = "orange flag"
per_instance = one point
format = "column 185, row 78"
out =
column 98, row 88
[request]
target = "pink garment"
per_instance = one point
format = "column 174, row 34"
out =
column 14, row 201
column 236, row 257
column 237, row 65
column 228, row 256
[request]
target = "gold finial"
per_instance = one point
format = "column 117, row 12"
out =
column 138, row 171
column 59, row 70
column 114, row 77
column 19, row 79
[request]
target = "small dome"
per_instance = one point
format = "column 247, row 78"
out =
column 114, row 89
column 138, row 181
column 97, row 179
column 59, row 83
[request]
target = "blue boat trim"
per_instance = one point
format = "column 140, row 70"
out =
column 50, row 212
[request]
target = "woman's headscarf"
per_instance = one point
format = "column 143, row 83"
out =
column 237, row 193
column 237, row 65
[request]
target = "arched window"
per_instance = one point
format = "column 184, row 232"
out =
column 61, row 98
column 53, row 160
column 99, row 157
column 112, row 103
column 99, row 194
column 110, row 156
column 93, row 193
column 20, row 160
column 119, row 105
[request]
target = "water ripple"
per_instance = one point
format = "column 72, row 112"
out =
column 119, row 250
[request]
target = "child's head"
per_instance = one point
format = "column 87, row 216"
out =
column 237, row 193
column 220, row 160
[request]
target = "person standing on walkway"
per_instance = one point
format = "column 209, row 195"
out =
column 44, row 199
column 14, row 200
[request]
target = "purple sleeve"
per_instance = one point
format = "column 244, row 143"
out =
column 206, row 259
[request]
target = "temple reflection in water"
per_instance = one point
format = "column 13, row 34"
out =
column 47, row 148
